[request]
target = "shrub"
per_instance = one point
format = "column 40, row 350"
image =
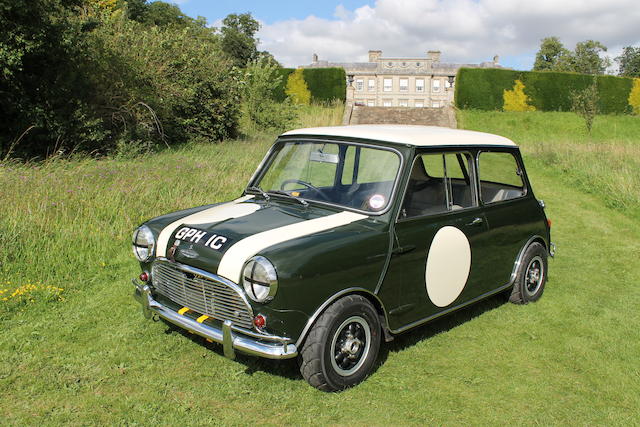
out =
column 297, row 88
column 279, row 91
column 516, row 99
column 259, row 106
column 634, row 97
column 585, row 103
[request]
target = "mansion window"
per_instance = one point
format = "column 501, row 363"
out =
column 435, row 104
column 403, row 103
column 372, row 84
column 436, row 85
column 447, row 84
column 371, row 103
column 404, row 85
column 387, row 85
column 419, row 103
column 359, row 84
column 419, row 85
column 386, row 103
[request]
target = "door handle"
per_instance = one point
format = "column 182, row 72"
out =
column 403, row 249
column 476, row 221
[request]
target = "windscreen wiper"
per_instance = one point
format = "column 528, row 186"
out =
column 291, row 196
column 259, row 191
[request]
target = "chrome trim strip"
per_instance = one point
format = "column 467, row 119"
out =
column 449, row 310
column 230, row 336
column 328, row 302
column 552, row 249
column 516, row 265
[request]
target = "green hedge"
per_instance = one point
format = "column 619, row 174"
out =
column 482, row 89
column 325, row 84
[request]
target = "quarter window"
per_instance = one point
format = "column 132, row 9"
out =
column 439, row 182
column 500, row 177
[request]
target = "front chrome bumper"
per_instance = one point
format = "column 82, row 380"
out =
column 231, row 337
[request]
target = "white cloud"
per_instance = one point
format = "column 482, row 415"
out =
column 464, row 30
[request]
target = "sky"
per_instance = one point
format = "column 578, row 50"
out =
column 465, row 31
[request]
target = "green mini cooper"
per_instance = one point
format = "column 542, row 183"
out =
column 346, row 236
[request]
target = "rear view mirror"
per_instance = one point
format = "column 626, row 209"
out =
column 318, row 156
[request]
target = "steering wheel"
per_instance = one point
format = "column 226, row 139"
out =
column 305, row 184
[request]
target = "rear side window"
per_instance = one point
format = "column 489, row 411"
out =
column 439, row 182
column 500, row 177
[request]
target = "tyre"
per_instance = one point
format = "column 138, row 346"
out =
column 342, row 345
column 531, row 275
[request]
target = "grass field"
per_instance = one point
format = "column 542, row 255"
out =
column 85, row 355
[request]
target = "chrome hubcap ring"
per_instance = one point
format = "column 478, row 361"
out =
column 534, row 276
column 350, row 345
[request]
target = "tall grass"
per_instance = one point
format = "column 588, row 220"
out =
column 605, row 162
column 76, row 349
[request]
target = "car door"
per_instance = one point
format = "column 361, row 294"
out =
column 439, row 242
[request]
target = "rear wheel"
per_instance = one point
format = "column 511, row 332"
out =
column 531, row 275
column 342, row 346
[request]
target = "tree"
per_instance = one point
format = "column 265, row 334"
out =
column 587, row 58
column 585, row 103
column 297, row 88
column 238, row 38
column 634, row 96
column 162, row 14
column 551, row 56
column 629, row 62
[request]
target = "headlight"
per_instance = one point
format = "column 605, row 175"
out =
column 143, row 243
column 259, row 279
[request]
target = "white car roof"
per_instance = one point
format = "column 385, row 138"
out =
column 420, row 136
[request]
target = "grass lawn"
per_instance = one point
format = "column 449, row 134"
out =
column 85, row 355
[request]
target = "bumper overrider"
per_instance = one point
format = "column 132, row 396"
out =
column 230, row 336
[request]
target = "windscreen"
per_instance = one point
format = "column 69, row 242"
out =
column 355, row 176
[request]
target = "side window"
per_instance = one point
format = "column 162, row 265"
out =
column 439, row 182
column 500, row 177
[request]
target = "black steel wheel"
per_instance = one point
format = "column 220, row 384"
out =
column 342, row 345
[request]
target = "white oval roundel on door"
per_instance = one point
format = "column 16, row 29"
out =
column 448, row 265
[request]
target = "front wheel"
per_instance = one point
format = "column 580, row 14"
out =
column 531, row 275
column 342, row 346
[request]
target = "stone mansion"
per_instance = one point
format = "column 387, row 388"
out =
column 400, row 82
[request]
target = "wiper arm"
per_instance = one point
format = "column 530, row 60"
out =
column 259, row 191
column 291, row 196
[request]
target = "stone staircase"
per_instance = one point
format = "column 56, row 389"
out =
column 400, row 115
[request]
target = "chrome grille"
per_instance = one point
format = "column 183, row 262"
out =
column 201, row 293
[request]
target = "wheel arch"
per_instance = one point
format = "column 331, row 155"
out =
column 518, row 261
column 370, row 296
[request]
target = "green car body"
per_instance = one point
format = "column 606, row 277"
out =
column 323, row 252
